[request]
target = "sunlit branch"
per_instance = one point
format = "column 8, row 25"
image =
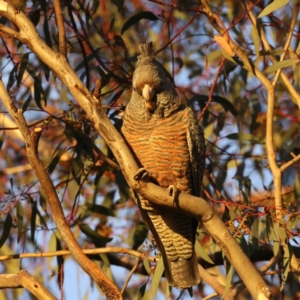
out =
column 129, row 276
column 289, row 163
column 294, row 94
column 68, row 252
column 25, row 280
column 192, row 206
column 31, row 141
column 288, row 41
column 61, row 28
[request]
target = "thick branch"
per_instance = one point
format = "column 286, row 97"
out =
column 191, row 205
column 31, row 141
column 25, row 280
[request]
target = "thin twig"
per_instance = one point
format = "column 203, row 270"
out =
column 61, row 28
column 289, row 163
column 68, row 252
column 289, row 87
column 129, row 276
column 212, row 89
column 288, row 41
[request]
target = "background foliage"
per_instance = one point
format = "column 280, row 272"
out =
column 103, row 39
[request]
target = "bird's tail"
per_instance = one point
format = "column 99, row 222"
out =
column 182, row 273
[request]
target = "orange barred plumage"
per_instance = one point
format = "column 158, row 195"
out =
column 168, row 142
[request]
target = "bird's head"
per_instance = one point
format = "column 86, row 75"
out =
column 151, row 82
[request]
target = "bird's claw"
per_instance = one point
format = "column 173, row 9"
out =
column 142, row 174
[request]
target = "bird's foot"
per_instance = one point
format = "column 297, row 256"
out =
column 142, row 174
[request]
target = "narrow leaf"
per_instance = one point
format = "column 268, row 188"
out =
column 288, row 251
column 6, row 229
column 228, row 280
column 142, row 291
column 179, row 62
column 201, row 252
column 20, row 215
column 275, row 5
column 92, row 234
column 26, row 103
column 276, row 245
column 255, row 233
column 2, row 138
column 22, row 69
column 147, row 265
column 140, row 235
column 256, row 40
column 281, row 65
column 156, row 277
column 33, row 220
column 136, row 18
column 60, row 263
column 101, row 209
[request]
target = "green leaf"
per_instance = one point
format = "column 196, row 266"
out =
column 147, row 265
column 12, row 77
column 288, row 251
column 20, row 215
column 97, row 239
column 201, row 99
column 60, row 262
column 6, row 229
column 140, row 235
column 26, row 103
column 243, row 244
column 2, row 138
column 22, row 69
column 33, row 219
column 243, row 137
column 82, row 63
column 275, row 5
column 55, row 161
column 228, row 278
column 142, row 291
column 281, row 65
column 179, row 62
column 136, row 18
column 276, row 240
column 37, row 91
column 202, row 253
column 46, row 30
column 256, row 40
column 159, row 269
column 168, row 291
column 101, row 209
column 255, row 233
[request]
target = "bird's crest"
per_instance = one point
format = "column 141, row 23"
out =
column 147, row 50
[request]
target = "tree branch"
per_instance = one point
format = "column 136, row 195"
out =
column 25, row 280
column 248, row 64
column 293, row 93
column 288, row 41
column 61, row 28
column 193, row 206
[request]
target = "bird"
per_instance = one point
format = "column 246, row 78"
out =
column 168, row 144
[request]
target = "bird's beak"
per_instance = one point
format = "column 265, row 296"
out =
column 148, row 94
